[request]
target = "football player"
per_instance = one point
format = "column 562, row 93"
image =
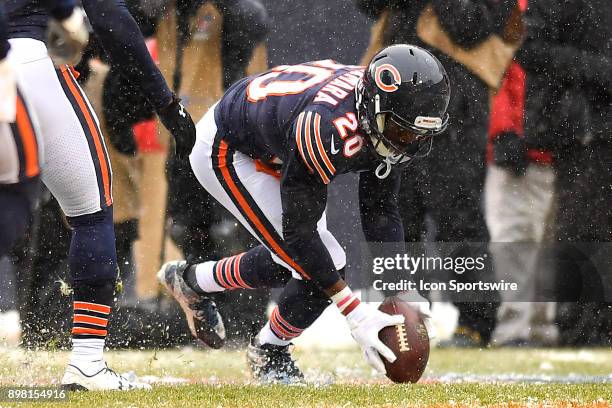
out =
column 19, row 151
column 267, row 151
column 76, row 168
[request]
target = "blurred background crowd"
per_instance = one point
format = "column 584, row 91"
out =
column 523, row 173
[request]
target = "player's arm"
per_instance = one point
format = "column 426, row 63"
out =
column 303, row 201
column 304, row 196
column 378, row 205
column 124, row 44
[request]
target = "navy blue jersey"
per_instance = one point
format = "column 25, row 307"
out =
column 302, row 118
column 307, row 108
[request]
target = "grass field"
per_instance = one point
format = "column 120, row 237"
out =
column 339, row 378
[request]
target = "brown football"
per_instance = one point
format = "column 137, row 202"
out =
column 409, row 342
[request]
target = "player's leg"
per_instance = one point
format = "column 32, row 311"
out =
column 77, row 172
column 254, row 198
column 19, row 174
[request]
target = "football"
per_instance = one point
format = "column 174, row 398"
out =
column 409, row 342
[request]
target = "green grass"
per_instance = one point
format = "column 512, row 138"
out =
column 345, row 396
column 338, row 378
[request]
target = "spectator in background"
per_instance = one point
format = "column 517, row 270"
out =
column 518, row 202
column 568, row 52
column 448, row 186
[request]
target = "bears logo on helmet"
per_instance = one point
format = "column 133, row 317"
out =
column 381, row 78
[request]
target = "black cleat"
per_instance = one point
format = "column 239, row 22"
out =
column 270, row 363
column 202, row 315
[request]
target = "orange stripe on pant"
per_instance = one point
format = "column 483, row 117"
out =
column 94, row 131
column 94, row 307
column 28, row 139
column 84, row 330
column 98, row 321
column 249, row 211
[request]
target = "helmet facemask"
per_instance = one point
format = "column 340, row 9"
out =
column 390, row 148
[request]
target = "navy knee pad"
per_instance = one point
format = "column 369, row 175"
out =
column 92, row 255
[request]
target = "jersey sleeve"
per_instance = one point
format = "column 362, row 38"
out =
column 318, row 145
column 304, row 197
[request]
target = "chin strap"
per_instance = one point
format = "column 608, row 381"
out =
column 383, row 169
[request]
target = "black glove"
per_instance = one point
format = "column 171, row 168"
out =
column 178, row 121
column 510, row 153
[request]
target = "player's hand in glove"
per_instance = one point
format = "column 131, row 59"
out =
column 8, row 90
column 67, row 38
column 510, row 153
column 365, row 322
column 178, row 121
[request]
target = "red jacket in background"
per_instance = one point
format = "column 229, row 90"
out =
column 508, row 113
column 508, row 109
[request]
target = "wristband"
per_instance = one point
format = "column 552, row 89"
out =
column 346, row 301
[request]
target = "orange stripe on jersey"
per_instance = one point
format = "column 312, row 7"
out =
column 94, row 132
column 311, row 149
column 98, row 321
column 251, row 214
column 86, row 330
column 94, row 307
column 28, row 139
column 298, row 137
column 322, row 152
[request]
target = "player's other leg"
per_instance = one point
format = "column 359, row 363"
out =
column 203, row 318
column 19, row 173
column 78, row 174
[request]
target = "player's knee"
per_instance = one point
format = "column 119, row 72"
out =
column 92, row 254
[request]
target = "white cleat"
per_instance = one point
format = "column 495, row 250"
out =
column 96, row 376
column 201, row 312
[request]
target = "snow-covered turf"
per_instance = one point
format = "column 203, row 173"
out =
column 192, row 377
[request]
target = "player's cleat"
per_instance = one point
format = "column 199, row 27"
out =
column 203, row 318
column 270, row 363
column 96, row 376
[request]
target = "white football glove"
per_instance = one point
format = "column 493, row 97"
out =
column 365, row 322
column 66, row 39
column 8, row 90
